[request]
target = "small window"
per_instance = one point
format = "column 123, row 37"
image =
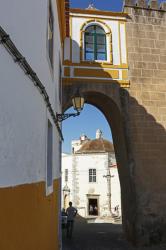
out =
column 92, row 175
column 95, row 44
column 50, row 33
column 66, row 175
column 49, row 154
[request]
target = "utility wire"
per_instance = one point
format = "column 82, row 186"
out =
column 18, row 58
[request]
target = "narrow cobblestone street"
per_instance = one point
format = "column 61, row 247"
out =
column 99, row 236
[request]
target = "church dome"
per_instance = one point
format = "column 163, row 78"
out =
column 96, row 146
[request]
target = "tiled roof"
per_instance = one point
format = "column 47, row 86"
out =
column 96, row 146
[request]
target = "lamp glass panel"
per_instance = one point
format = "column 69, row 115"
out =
column 78, row 103
column 82, row 102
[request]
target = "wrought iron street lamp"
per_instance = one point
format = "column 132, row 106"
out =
column 78, row 104
column 66, row 194
column 66, row 190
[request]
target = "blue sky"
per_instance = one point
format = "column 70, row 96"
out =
column 113, row 5
column 87, row 123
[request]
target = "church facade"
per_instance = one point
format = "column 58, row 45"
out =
column 90, row 178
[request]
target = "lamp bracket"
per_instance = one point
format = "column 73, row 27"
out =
column 62, row 117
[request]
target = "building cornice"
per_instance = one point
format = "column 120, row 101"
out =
column 98, row 12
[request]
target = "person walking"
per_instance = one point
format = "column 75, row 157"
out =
column 71, row 213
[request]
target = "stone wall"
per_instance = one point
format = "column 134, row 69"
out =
column 146, row 108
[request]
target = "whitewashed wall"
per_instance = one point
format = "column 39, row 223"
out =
column 116, row 190
column 82, row 165
column 66, row 164
column 123, row 43
column 23, row 119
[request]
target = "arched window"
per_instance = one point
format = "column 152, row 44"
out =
column 95, row 43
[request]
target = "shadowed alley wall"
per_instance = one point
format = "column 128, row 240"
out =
column 146, row 108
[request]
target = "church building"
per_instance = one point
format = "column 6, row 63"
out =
column 90, row 177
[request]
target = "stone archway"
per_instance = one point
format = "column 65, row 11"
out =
column 109, row 98
column 138, row 121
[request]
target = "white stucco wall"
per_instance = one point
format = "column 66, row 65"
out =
column 78, row 167
column 67, row 48
column 75, row 32
column 116, row 190
column 23, row 119
column 84, row 163
column 66, row 164
column 123, row 43
column 114, row 25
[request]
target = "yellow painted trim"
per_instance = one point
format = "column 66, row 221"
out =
column 124, row 74
column 96, row 73
column 67, row 71
column 70, row 81
column 81, row 44
column 71, row 49
column 95, row 64
column 61, row 18
column 111, row 51
column 95, row 20
column 99, row 12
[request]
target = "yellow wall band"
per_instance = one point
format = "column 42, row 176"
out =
column 96, row 73
column 124, row 74
column 95, row 64
column 67, row 71
column 31, row 218
column 70, row 81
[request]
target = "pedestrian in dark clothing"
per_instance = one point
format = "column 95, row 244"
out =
column 71, row 213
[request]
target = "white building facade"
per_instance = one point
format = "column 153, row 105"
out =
column 30, row 96
column 90, row 178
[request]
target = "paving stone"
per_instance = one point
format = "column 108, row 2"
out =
column 99, row 236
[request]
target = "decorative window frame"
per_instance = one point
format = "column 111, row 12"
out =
column 108, row 33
